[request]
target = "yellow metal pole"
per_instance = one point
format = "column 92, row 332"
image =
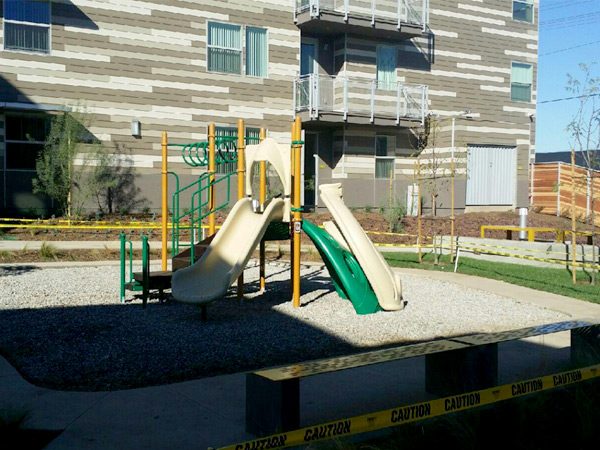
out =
column 573, row 222
column 211, row 179
column 292, row 185
column 263, row 199
column 452, row 210
column 297, row 214
column 419, row 243
column 241, row 155
column 165, row 204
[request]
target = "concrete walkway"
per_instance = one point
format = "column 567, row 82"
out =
column 211, row 412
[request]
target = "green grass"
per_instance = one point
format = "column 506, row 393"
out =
column 557, row 281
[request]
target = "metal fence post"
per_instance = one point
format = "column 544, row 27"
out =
column 295, row 94
column 346, row 7
column 423, row 104
column 310, row 95
column 318, row 96
column 398, row 89
column 373, row 84
column 373, row 8
column 424, row 15
column 345, row 98
column 399, row 12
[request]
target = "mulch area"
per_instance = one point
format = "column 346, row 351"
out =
column 466, row 225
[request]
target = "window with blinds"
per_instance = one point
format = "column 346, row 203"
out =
column 27, row 25
column 257, row 52
column 521, row 81
column 224, row 51
column 386, row 67
column 385, row 148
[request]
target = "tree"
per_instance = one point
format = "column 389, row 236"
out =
column 71, row 162
column 584, row 131
column 435, row 171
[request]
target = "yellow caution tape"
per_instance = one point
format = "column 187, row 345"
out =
column 99, row 227
column 532, row 258
column 417, row 411
column 513, row 248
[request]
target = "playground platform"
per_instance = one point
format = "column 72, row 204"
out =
column 211, row 412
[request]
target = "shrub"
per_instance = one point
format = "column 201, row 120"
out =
column 48, row 251
column 368, row 208
column 395, row 215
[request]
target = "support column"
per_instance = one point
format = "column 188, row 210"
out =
column 297, row 148
column 262, row 199
column 585, row 346
column 241, row 156
column 211, row 180
column 271, row 406
column 462, row 370
column 165, row 200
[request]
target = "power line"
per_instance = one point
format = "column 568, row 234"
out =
column 570, row 25
column 564, row 4
column 569, row 18
column 566, row 98
column 570, row 48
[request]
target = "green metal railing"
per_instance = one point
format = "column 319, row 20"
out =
column 130, row 280
column 196, row 155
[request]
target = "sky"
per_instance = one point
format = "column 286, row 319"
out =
column 563, row 24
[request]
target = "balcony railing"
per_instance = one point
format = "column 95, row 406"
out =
column 415, row 12
column 360, row 97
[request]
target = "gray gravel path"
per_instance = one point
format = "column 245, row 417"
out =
column 65, row 328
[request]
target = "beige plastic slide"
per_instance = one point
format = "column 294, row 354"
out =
column 229, row 252
column 385, row 283
column 227, row 255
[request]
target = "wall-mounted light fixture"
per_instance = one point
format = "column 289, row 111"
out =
column 136, row 129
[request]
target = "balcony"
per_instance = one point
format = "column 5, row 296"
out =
column 359, row 101
column 374, row 18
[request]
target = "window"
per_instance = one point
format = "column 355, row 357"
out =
column 224, row 48
column 385, row 149
column 521, row 79
column 25, row 137
column 257, row 52
column 226, row 168
column 27, row 25
column 386, row 67
column 523, row 10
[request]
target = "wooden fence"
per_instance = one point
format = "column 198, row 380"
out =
column 552, row 188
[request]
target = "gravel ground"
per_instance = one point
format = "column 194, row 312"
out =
column 65, row 328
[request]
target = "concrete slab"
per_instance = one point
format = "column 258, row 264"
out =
column 46, row 409
column 7, row 370
column 224, row 395
column 148, row 419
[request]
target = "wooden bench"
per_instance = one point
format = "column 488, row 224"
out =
column 452, row 366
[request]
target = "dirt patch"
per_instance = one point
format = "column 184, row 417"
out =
column 466, row 225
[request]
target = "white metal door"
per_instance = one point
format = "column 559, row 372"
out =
column 491, row 175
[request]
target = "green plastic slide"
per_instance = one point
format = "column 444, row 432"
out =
column 348, row 278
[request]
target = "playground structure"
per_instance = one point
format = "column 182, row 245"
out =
column 203, row 270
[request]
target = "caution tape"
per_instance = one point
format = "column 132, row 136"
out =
column 99, row 227
column 84, row 227
column 91, row 222
column 531, row 258
column 513, row 248
column 418, row 411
